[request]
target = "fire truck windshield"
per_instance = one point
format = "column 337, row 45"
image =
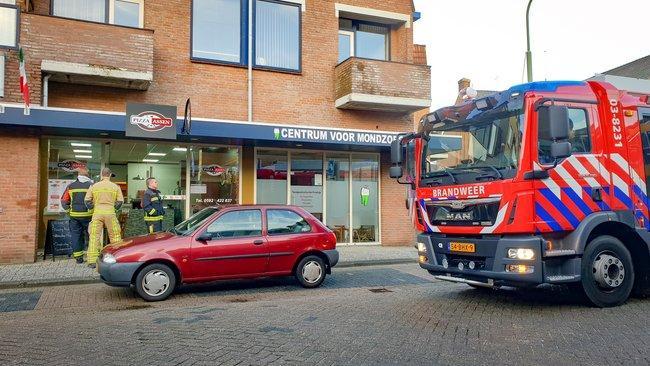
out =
column 484, row 146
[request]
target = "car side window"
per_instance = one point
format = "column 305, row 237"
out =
column 236, row 224
column 286, row 222
column 578, row 136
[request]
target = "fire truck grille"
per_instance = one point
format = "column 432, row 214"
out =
column 478, row 212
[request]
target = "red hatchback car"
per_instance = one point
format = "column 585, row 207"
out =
column 220, row 243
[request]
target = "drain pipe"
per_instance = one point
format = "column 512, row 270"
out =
column 250, row 61
column 46, row 83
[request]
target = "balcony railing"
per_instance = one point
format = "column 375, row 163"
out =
column 382, row 85
column 82, row 52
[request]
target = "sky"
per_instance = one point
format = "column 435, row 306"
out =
column 485, row 41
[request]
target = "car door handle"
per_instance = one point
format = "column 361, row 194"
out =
column 258, row 242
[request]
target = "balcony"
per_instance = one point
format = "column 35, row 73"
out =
column 382, row 86
column 80, row 52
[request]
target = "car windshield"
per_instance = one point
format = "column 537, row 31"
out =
column 483, row 145
column 188, row 226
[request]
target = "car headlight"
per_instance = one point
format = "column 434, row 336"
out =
column 108, row 258
column 521, row 253
column 422, row 248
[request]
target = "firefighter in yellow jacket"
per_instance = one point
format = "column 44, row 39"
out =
column 104, row 197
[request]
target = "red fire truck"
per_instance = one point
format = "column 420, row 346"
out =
column 545, row 182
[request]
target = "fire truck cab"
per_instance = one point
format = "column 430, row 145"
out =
column 545, row 182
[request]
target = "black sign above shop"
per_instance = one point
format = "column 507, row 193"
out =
column 151, row 121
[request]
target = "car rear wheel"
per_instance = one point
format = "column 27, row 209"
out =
column 310, row 271
column 607, row 272
column 155, row 282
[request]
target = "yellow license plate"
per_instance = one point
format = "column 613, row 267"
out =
column 462, row 247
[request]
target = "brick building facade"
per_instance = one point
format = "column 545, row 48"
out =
column 82, row 72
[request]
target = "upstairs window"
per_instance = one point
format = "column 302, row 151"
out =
column 363, row 39
column 217, row 30
column 220, row 28
column 9, row 24
column 120, row 12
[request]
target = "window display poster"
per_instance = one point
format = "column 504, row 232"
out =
column 55, row 190
column 308, row 197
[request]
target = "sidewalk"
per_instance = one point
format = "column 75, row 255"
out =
column 65, row 271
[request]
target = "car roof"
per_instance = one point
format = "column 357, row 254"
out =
column 257, row 206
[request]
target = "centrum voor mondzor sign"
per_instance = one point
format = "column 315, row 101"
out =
column 151, row 120
column 322, row 135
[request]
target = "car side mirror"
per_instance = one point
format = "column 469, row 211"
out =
column 204, row 237
column 560, row 150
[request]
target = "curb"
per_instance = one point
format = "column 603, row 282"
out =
column 91, row 280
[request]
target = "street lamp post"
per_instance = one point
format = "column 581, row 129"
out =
column 529, row 55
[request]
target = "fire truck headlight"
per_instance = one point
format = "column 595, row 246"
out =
column 422, row 248
column 521, row 253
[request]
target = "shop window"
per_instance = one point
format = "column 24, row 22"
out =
column 337, row 214
column 120, row 12
column 307, row 182
column 365, row 198
column 271, row 173
column 363, row 39
column 286, row 222
column 65, row 157
column 237, row 224
column 215, row 177
column 219, row 29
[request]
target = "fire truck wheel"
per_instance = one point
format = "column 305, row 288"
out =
column 607, row 272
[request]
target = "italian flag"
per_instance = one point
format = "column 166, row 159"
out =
column 24, row 88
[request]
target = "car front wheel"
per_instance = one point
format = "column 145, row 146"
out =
column 155, row 282
column 310, row 271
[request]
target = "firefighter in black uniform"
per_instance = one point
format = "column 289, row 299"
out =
column 73, row 203
column 154, row 211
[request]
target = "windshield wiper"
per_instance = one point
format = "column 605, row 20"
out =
column 439, row 174
column 491, row 167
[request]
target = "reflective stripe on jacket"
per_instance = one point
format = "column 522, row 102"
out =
column 73, row 199
column 152, row 205
column 104, row 196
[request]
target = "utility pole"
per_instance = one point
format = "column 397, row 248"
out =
column 529, row 55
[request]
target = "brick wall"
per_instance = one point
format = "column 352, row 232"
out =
column 391, row 79
column 219, row 91
column 19, row 179
column 58, row 39
column 396, row 226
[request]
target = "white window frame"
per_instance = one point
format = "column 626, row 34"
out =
column 111, row 11
column 351, row 35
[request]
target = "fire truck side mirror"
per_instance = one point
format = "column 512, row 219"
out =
column 395, row 172
column 396, row 152
column 560, row 150
column 556, row 117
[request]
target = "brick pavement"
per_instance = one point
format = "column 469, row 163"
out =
column 415, row 320
column 64, row 270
